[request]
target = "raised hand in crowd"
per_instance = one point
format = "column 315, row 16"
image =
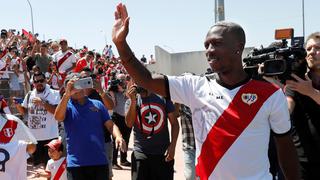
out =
column 121, row 26
column 70, row 90
column 132, row 92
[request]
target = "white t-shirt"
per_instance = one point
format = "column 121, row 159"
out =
column 53, row 166
column 54, row 81
column 13, row 157
column 247, row 157
column 41, row 122
column 67, row 63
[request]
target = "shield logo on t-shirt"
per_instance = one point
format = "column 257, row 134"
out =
column 8, row 132
column 152, row 116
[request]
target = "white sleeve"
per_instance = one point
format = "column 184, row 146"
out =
column 180, row 88
column 54, row 97
column 279, row 117
column 54, row 57
column 24, row 103
column 73, row 58
column 7, row 110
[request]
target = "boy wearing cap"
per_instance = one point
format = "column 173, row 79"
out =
column 56, row 166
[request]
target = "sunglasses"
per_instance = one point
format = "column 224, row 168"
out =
column 39, row 81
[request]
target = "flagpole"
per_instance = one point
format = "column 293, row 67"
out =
column 31, row 17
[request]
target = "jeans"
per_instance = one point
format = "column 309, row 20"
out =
column 189, row 164
column 109, row 154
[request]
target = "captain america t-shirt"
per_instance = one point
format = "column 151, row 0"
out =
column 151, row 134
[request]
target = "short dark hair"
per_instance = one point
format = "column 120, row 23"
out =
column 38, row 73
column 44, row 45
column 233, row 28
column 90, row 53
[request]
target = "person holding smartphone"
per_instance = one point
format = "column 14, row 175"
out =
column 84, row 121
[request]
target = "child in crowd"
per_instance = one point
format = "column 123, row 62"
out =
column 53, row 77
column 56, row 166
column 15, row 88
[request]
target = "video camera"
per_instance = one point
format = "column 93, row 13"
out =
column 278, row 60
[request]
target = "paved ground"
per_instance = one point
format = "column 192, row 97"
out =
column 126, row 172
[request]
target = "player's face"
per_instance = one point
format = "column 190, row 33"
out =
column 313, row 53
column 220, row 49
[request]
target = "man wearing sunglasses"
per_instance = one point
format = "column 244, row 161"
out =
column 39, row 106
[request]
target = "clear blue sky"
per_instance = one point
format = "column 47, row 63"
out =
column 176, row 25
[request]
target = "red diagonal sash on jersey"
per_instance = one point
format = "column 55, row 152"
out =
column 61, row 169
column 63, row 59
column 231, row 124
column 8, row 130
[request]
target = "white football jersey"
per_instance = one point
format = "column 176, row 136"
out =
column 67, row 63
column 13, row 160
column 53, row 166
column 244, row 157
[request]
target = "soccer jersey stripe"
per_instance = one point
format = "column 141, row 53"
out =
column 229, row 126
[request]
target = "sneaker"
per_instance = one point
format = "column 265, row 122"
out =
column 116, row 167
column 126, row 163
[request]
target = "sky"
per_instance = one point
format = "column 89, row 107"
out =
column 175, row 25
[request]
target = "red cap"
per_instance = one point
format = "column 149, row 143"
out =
column 54, row 144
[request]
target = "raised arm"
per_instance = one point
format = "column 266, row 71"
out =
column 131, row 114
column 137, row 71
column 60, row 112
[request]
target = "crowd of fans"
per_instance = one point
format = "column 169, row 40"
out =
column 21, row 54
column 225, row 135
column 36, row 71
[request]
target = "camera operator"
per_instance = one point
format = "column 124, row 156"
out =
column 117, row 92
column 303, row 99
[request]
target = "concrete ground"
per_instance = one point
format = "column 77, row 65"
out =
column 125, row 174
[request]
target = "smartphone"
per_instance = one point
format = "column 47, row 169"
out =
column 84, row 83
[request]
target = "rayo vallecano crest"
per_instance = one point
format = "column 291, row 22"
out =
column 249, row 98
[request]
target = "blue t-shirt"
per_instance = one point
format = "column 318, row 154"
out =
column 151, row 134
column 84, row 125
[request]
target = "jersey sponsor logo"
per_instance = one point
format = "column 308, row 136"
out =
column 249, row 98
column 152, row 117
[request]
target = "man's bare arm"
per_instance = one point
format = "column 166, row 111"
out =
column 288, row 158
column 137, row 71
